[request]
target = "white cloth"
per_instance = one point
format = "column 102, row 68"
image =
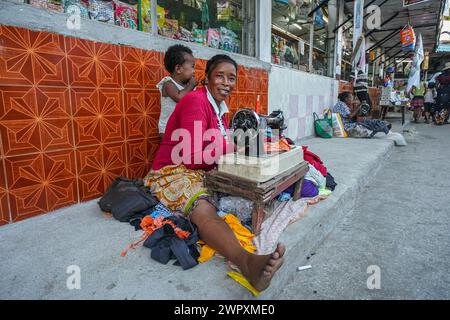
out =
column 315, row 177
column 219, row 111
column 167, row 104
column 430, row 96
column 272, row 228
column 414, row 75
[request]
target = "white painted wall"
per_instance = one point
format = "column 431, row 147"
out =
column 298, row 94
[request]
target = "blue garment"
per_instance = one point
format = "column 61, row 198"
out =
column 284, row 196
column 342, row 108
column 160, row 210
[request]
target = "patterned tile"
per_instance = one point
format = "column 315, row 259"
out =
column 265, row 82
column 4, row 210
column 29, row 57
column 140, row 156
column 34, row 119
column 141, row 68
column 98, row 116
column 247, row 100
column 93, row 64
column 142, row 113
column 200, row 67
column 40, row 183
column 242, row 79
column 232, row 101
column 98, row 166
column 264, row 103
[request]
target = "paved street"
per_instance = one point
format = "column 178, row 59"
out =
column 401, row 223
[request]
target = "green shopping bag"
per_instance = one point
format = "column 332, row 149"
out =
column 323, row 127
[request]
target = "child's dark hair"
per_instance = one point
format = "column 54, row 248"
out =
column 344, row 96
column 214, row 61
column 175, row 56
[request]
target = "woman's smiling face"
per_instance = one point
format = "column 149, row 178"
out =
column 222, row 80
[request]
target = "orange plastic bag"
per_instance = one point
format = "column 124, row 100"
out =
column 408, row 37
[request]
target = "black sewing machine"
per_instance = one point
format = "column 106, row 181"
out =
column 251, row 128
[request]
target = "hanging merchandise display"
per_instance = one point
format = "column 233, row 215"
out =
column 283, row 52
column 408, row 38
column 160, row 17
column 145, row 20
column 126, row 14
column 213, row 38
column 220, row 27
column 223, row 10
column 102, row 11
column 54, row 5
column 78, row 7
column 170, row 28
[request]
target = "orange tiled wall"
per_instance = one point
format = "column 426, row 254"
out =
column 75, row 114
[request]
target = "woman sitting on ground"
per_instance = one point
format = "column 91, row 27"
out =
column 178, row 169
column 364, row 129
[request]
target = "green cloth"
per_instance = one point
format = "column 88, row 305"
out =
column 324, row 192
column 420, row 91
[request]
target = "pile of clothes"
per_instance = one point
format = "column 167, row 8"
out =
column 317, row 181
column 169, row 235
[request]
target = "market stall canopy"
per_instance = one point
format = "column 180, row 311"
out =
column 424, row 16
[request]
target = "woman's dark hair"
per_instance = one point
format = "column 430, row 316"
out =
column 344, row 96
column 214, row 61
column 175, row 56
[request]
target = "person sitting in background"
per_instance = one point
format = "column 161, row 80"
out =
column 365, row 129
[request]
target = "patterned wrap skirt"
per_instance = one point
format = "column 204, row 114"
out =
column 178, row 188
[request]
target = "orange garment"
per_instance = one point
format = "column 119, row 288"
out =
column 277, row 146
column 148, row 224
column 244, row 236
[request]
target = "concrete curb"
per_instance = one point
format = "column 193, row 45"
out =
column 303, row 237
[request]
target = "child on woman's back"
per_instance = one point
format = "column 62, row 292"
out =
column 179, row 62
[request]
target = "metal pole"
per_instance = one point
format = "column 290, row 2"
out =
column 153, row 17
column 311, row 42
column 388, row 37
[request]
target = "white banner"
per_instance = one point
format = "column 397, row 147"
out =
column 414, row 75
column 359, row 47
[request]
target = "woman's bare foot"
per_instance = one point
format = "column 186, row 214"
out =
column 261, row 269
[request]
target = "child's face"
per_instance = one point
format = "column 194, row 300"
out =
column 186, row 70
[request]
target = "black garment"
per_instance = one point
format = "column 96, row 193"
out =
column 127, row 199
column 330, row 184
column 364, row 96
column 443, row 98
column 166, row 245
column 375, row 125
